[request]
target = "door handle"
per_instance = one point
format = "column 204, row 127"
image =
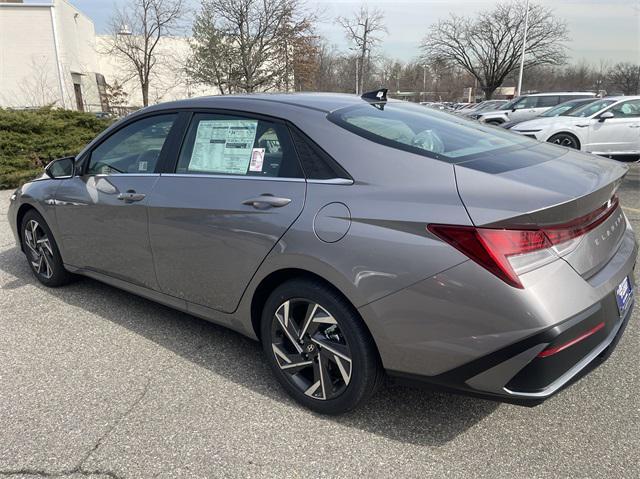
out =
column 634, row 126
column 582, row 126
column 265, row 201
column 131, row 196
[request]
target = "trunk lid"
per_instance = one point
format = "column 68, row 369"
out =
column 544, row 185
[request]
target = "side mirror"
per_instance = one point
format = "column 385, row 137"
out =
column 61, row 168
column 605, row 116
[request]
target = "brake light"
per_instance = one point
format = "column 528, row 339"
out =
column 510, row 252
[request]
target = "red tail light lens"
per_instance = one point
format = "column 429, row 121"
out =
column 510, row 252
column 491, row 248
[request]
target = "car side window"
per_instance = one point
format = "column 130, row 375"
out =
column 236, row 145
column 133, row 149
column 548, row 101
column 526, row 102
column 627, row 109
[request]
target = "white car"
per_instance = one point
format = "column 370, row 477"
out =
column 610, row 126
column 528, row 106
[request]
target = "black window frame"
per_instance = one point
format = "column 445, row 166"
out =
column 171, row 165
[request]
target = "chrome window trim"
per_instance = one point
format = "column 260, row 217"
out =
column 128, row 175
column 232, row 177
column 332, row 181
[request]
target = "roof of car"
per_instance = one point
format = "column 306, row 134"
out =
column 325, row 102
column 553, row 93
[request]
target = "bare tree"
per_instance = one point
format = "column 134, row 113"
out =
column 364, row 31
column 626, row 78
column 489, row 45
column 249, row 45
column 136, row 30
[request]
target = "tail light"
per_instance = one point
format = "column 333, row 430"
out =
column 510, row 252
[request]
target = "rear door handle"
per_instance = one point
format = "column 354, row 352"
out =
column 131, row 196
column 267, row 201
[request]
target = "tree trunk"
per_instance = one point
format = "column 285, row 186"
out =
column 145, row 93
column 489, row 91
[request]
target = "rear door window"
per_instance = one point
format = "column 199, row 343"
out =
column 548, row 101
column 237, row 145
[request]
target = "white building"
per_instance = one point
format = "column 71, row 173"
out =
column 47, row 57
column 50, row 55
column 168, row 79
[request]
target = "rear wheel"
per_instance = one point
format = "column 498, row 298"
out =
column 42, row 251
column 318, row 347
column 494, row 122
column 566, row 140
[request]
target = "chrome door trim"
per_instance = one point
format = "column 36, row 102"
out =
column 233, row 177
column 332, row 181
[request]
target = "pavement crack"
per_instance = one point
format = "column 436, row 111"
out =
column 79, row 469
column 134, row 404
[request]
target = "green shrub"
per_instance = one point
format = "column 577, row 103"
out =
column 29, row 139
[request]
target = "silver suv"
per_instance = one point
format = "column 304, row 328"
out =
column 526, row 107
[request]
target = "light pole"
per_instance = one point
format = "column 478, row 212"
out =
column 424, row 82
column 524, row 47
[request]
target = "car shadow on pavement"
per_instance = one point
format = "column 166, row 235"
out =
column 404, row 414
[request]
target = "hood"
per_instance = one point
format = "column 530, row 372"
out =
column 539, row 123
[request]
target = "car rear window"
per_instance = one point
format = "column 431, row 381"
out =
column 424, row 131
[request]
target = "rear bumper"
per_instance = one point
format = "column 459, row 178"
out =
column 466, row 331
column 497, row 370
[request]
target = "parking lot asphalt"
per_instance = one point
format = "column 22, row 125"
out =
column 96, row 382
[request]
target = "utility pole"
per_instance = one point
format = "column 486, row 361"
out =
column 357, row 79
column 524, row 48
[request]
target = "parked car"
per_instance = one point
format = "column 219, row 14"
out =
column 610, row 126
column 487, row 105
column 353, row 237
column 563, row 109
column 526, row 107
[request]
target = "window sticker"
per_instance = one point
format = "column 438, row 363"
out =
column 257, row 159
column 223, row 146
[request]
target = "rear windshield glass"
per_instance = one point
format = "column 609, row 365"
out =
column 420, row 130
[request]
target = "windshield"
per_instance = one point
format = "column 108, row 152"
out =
column 564, row 108
column 407, row 127
column 591, row 108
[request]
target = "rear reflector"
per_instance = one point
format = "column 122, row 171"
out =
column 510, row 252
column 556, row 349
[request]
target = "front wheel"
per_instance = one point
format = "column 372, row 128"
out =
column 318, row 347
column 42, row 251
column 566, row 140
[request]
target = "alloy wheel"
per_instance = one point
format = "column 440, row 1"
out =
column 39, row 249
column 310, row 348
column 564, row 140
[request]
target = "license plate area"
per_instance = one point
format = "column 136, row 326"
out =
column 624, row 296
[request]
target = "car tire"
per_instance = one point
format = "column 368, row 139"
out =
column 494, row 122
column 565, row 139
column 335, row 367
column 42, row 251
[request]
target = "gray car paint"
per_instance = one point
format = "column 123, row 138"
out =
column 428, row 308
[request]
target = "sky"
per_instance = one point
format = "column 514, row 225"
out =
column 600, row 29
